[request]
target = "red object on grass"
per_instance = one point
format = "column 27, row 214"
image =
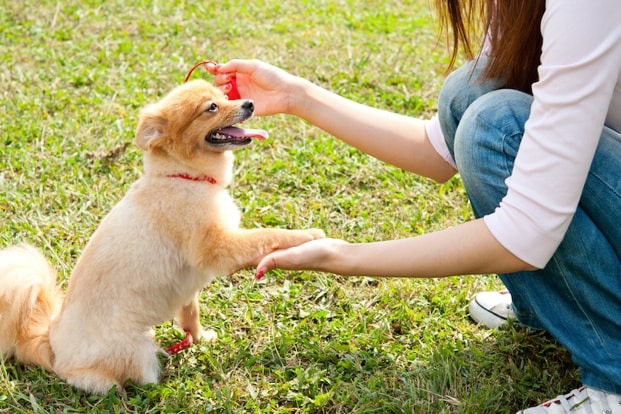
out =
column 181, row 345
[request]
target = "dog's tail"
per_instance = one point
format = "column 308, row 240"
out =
column 29, row 300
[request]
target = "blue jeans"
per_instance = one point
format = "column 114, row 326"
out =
column 577, row 296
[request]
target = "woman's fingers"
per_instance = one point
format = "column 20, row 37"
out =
column 312, row 255
column 269, row 262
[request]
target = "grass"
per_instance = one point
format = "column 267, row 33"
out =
column 73, row 77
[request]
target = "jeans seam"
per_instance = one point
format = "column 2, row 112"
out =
column 612, row 189
column 593, row 327
column 509, row 164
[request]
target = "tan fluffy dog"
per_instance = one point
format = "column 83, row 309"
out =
column 175, row 230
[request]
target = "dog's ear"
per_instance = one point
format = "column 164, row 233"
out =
column 151, row 128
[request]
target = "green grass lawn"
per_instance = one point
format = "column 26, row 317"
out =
column 74, row 75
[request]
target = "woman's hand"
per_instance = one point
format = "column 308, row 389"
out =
column 269, row 87
column 313, row 255
column 438, row 254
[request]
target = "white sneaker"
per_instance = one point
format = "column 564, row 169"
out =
column 492, row 309
column 584, row 400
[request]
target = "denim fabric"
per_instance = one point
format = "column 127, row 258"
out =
column 577, row 296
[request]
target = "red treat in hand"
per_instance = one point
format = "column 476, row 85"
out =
column 233, row 93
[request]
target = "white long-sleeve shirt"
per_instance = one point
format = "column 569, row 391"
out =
column 578, row 92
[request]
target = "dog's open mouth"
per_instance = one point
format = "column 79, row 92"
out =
column 234, row 136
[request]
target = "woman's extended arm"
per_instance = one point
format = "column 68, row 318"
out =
column 393, row 138
column 468, row 248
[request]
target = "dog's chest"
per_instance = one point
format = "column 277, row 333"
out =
column 177, row 206
column 193, row 280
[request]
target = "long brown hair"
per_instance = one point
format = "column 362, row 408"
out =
column 513, row 27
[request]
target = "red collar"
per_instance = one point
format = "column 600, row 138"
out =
column 186, row 176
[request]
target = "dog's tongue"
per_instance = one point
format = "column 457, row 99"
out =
column 245, row 133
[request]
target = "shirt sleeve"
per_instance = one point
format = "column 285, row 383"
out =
column 436, row 138
column 580, row 66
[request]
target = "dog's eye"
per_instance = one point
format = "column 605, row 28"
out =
column 213, row 107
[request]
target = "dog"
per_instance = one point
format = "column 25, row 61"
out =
column 174, row 231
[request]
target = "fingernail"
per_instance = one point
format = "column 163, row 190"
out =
column 212, row 67
column 260, row 273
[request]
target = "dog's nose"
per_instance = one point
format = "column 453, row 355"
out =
column 248, row 105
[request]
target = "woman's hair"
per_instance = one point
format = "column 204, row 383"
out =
column 513, row 28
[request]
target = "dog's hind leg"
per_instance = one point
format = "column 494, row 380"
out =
column 134, row 359
column 91, row 380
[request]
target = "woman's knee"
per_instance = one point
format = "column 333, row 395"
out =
column 494, row 123
column 486, row 143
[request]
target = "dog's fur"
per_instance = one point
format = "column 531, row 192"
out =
column 164, row 241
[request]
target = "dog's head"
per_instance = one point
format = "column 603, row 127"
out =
column 194, row 122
